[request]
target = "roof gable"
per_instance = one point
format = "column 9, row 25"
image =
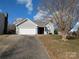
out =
column 20, row 21
column 27, row 24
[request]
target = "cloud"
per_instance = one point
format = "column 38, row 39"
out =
column 28, row 4
column 40, row 15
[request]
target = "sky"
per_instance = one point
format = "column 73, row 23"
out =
column 22, row 9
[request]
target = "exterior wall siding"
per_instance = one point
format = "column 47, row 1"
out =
column 50, row 28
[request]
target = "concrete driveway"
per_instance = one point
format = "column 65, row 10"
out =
column 21, row 47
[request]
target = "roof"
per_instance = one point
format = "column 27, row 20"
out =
column 75, row 28
column 41, row 23
column 19, row 21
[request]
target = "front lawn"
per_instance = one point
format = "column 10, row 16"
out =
column 58, row 49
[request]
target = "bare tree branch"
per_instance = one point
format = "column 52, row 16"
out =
column 63, row 12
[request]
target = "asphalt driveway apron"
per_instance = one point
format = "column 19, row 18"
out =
column 23, row 47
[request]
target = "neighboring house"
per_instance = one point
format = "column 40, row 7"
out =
column 75, row 28
column 28, row 27
column 11, row 29
column 3, row 23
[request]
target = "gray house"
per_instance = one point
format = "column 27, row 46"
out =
column 3, row 23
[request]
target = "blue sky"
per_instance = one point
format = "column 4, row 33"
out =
column 19, row 8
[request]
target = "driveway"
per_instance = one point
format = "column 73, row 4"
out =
column 21, row 47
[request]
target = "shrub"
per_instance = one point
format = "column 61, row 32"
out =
column 55, row 31
column 71, row 35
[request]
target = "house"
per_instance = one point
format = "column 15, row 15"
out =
column 74, row 32
column 3, row 23
column 40, row 26
column 11, row 29
column 25, row 27
column 47, row 25
column 50, row 28
column 75, row 28
column 28, row 27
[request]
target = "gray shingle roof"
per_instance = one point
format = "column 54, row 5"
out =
column 41, row 23
column 19, row 21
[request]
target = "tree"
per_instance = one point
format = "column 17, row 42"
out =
column 63, row 12
column 5, row 23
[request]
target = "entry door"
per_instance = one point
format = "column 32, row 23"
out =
column 40, row 30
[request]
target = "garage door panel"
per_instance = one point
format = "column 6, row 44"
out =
column 27, row 31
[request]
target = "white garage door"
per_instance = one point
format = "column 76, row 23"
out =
column 27, row 31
